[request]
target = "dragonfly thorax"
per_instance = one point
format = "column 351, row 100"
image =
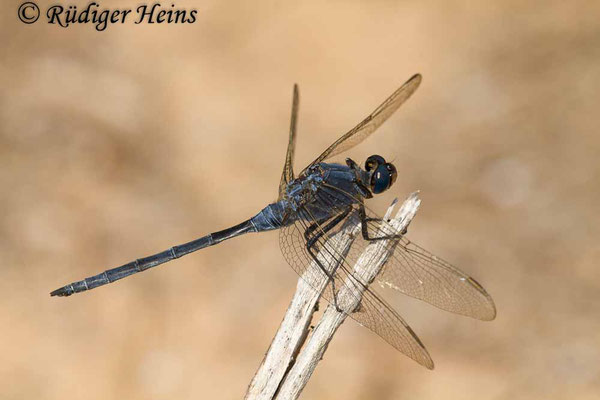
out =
column 303, row 189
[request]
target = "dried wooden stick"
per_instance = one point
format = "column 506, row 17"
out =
column 287, row 366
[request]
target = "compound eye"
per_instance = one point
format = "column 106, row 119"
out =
column 381, row 179
column 373, row 162
column 393, row 173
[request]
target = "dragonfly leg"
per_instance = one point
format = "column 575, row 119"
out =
column 309, row 231
column 324, row 229
column 329, row 276
column 362, row 214
column 310, row 246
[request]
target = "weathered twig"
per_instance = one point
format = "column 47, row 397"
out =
column 295, row 325
column 283, row 373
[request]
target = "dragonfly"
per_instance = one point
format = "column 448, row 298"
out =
column 317, row 203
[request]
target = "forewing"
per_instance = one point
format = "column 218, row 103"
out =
column 288, row 170
column 367, row 126
column 416, row 272
column 332, row 250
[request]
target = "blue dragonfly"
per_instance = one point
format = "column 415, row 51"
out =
column 311, row 208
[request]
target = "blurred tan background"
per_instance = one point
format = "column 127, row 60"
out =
column 118, row 144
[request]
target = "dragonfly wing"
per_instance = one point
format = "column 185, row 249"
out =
column 375, row 314
column 367, row 126
column 416, row 272
column 288, row 170
column 333, row 248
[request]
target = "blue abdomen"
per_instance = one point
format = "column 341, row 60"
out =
column 271, row 217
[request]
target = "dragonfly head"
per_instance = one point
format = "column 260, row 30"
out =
column 380, row 174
